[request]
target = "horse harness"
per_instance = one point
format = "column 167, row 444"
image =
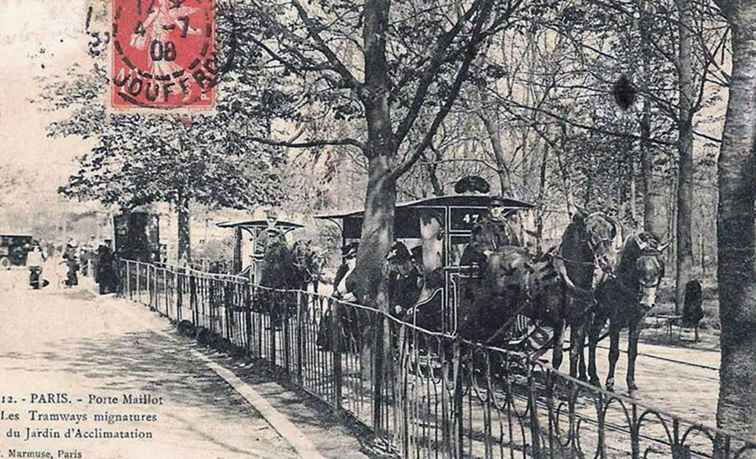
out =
column 646, row 249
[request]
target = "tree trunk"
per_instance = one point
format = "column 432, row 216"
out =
column 378, row 220
column 238, row 246
column 654, row 205
column 541, row 200
column 654, row 202
column 184, row 236
column 685, row 152
column 502, row 170
column 432, row 169
column 736, row 410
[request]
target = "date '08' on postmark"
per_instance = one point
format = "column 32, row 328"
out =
column 163, row 54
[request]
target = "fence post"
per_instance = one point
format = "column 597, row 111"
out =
column 193, row 300
column 679, row 451
column 149, row 285
column 248, row 314
column 230, row 310
column 299, row 336
column 285, row 325
column 154, row 286
column 128, row 278
column 141, row 283
column 179, row 296
column 458, row 399
column 535, row 425
column 634, row 434
column 259, row 321
column 378, row 375
column 336, row 349
column 165, row 292
column 272, row 328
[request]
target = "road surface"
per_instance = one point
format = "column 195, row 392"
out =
column 68, row 353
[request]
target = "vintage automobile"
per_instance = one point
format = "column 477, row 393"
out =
column 13, row 249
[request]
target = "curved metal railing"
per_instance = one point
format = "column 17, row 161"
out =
column 427, row 394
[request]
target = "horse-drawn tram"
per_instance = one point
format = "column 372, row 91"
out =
column 436, row 231
column 258, row 231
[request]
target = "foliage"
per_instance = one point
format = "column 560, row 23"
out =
column 143, row 158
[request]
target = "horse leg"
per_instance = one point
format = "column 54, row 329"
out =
column 556, row 358
column 632, row 353
column 585, row 326
column 614, row 335
column 594, row 333
column 577, row 340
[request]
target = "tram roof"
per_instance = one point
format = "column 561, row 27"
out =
column 258, row 223
column 458, row 200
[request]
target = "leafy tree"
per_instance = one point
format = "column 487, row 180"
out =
column 144, row 158
column 390, row 71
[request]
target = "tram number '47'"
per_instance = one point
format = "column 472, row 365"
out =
column 464, row 219
column 471, row 219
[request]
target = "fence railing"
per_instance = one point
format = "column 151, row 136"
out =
column 423, row 394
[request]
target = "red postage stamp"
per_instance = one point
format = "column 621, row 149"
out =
column 163, row 54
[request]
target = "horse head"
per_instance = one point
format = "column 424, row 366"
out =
column 641, row 268
column 587, row 244
column 308, row 260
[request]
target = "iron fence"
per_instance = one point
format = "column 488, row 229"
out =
column 423, row 394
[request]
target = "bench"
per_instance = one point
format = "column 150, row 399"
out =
column 671, row 320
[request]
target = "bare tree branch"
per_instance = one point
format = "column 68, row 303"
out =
column 349, row 79
column 308, row 144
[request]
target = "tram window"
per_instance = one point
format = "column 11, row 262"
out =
column 458, row 245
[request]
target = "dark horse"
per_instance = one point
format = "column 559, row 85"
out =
column 585, row 251
column 517, row 284
column 624, row 299
column 554, row 290
column 285, row 268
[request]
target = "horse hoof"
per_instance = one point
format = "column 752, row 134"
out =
column 634, row 393
column 595, row 382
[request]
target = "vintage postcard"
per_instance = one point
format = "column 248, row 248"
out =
column 340, row 228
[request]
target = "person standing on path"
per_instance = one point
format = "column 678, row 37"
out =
column 34, row 261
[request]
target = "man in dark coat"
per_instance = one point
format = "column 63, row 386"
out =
column 71, row 260
column 490, row 234
column 106, row 278
column 404, row 276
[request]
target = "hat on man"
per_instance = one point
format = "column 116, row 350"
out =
column 350, row 249
column 497, row 201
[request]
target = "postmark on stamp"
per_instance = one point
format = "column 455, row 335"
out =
column 163, row 54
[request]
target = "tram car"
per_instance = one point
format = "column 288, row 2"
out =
column 137, row 235
column 250, row 241
column 458, row 214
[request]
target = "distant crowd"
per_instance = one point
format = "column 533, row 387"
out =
column 64, row 262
